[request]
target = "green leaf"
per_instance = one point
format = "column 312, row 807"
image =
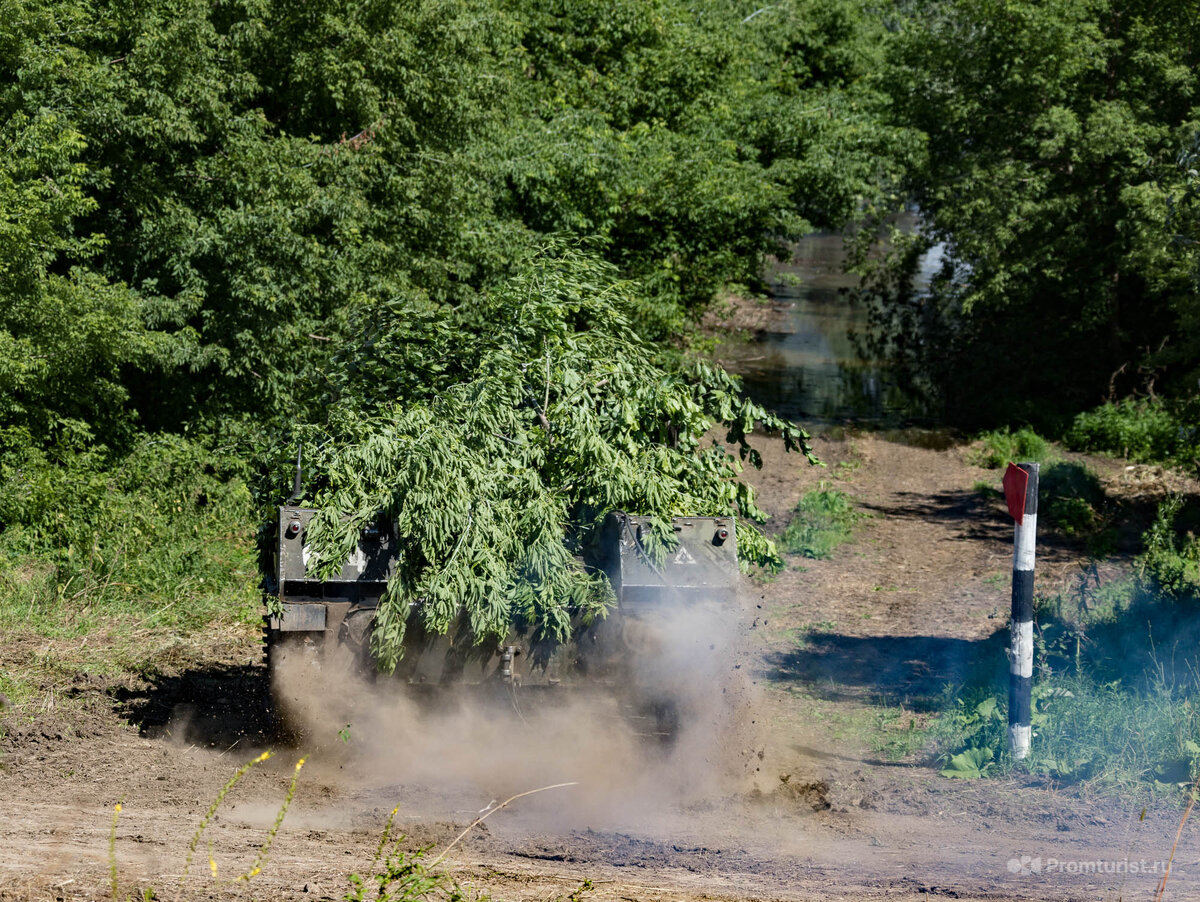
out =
column 972, row 764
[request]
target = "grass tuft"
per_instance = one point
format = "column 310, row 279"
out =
column 1000, row 446
column 261, row 858
column 823, row 519
column 399, row 875
column 112, row 851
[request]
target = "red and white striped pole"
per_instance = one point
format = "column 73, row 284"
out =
column 1021, row 492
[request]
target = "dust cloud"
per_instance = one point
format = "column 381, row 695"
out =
column 672, row 730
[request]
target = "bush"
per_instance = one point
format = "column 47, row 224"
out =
column 1071, row 498
column 1001, row 446
column 161, row 537
column 1140, row 430
column 1170, row 563
column 1105, row 733
column 823, row 519
column 1115, row 677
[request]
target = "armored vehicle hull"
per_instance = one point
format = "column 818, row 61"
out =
column 318, row 621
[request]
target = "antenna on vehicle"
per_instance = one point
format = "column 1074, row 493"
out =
column 297, row 480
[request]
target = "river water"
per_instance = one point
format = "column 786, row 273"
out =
column 807, row 366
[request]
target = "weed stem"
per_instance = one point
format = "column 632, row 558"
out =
column 1162, row 884
column 483, row 817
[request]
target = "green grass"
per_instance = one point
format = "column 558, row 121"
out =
column 1104, row 735
column 897, row 733
column 882, row 727
column 1112, row 735
column 1113, row 711
column 823, row 519
column 799, row 635
column 1000, row 446
column 987, row 489
column 108, row 561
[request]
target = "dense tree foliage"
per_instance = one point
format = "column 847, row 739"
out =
column 688, row 140
column 210, row 187
column 248, row 221
column 1053, row 132
column 242, row 172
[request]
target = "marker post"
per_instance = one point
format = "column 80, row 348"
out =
column 1021, row 493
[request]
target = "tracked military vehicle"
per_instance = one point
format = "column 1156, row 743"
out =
column 318, row 621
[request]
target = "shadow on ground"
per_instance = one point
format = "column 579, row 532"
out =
column 1075, row 514
column 217, row 707
column 980, row 518
column 889, row 670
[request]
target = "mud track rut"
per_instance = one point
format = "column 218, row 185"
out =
column 811, row 810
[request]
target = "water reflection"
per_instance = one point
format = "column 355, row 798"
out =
column 808, row 368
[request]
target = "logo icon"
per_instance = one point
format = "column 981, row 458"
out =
column 1025, row 865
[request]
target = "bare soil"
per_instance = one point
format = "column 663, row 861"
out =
column 747, row 317
column 795, row 797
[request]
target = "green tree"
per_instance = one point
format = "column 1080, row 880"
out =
column 270, row 163
column 249, row 171
column 691, row 141
column 1048, row 128
column 244, row 171
column 65, row 330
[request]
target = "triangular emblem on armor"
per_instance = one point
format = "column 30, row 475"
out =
column 683, row 556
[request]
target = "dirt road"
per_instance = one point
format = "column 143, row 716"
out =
column 804, row 788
